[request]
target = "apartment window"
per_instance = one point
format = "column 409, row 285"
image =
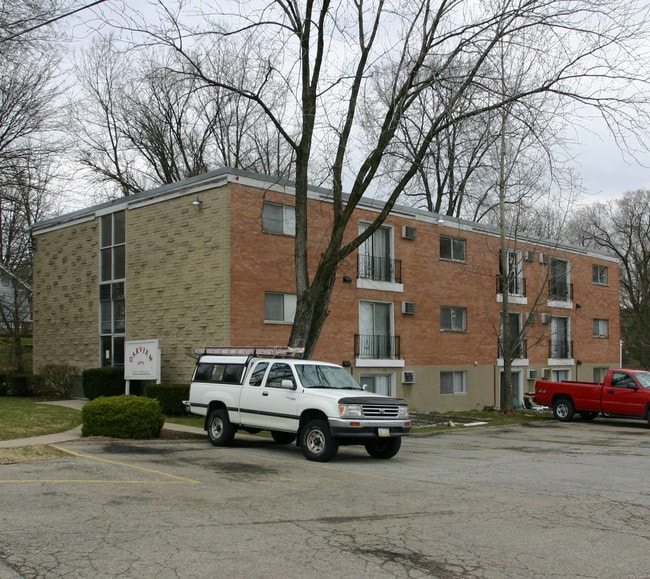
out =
column 279, row 307
column 377, row 383
column 453, row 382
column 375, row 339
column 601, row 328
column 376, row 257
column 560, row 375
column 453, row 319
column 561, row 346
column 599, row 274
column 112, row 299
column 513, row 273
column 560, row 287
column 452, row 248
column 280, row 219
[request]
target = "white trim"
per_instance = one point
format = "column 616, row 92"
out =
column 386, row 286
column 379, row 363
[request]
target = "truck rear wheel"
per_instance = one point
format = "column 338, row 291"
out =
column 220, row 430
column 317, row 442
column 384, row 447
column 563, row 409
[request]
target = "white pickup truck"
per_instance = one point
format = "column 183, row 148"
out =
column 317, row 404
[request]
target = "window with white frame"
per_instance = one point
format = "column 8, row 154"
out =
column 453, row 382
column 601, row 328
column 376, row 256
column 453, row 319
column 279, row 307
column 377, row 383
column 452, row 248
column 514, row 272
column 560, row 284
column 376, row 338
column 560, row 374
column 112, row 304
column 280, row 219
column 599, row 274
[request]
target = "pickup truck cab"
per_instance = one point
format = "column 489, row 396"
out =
column 623, row 393
column 317, row 404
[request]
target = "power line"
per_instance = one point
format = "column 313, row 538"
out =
column 50, row 21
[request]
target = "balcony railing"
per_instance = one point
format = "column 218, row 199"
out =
column 516, row 286
column 560, row 290
column 380, row 269
column 560, row 349
column 518, row 349
column 376, row 347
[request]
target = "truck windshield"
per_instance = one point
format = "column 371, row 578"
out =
column 643, row 378
column 319, row 376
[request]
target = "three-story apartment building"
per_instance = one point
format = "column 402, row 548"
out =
column 415, row 312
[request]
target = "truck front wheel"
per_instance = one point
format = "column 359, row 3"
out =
column 384, row 447
column 317, row 442
column 220, row 429
column 563, row 409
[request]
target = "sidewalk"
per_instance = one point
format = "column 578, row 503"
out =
column 75, row 433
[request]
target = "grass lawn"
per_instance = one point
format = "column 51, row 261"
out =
column 23, row 417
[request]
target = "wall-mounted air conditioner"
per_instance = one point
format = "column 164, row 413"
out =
column 532, row 374
column 409, row 232
column 543, row 258
column 408, row 377
column 529, row 255
column 546, row 373
column 546, row 318
column 409, row 308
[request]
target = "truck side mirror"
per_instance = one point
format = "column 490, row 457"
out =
column 288, row 384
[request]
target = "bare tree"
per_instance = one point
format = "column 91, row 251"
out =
column 335, row 61
column 27, row 122
column 622, row 227
column 142, row 124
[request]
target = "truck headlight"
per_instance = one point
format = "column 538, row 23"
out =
column 403, row 412
column 350, row 410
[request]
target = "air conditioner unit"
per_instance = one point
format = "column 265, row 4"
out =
column 409, row 232
column 543, row 258
column 409, row 308
column 531, row 318
column 546, row 318
column 408, row 377
column 530, row 255
column 532, row 374
column 546, row 373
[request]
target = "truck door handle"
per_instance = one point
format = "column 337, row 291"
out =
column 611, row 392
column 265, row 393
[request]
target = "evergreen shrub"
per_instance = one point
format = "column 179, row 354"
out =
column 122, row 416
column 170, row 397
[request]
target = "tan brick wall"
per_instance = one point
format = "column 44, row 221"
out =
column 178, row 262
column 66, row 297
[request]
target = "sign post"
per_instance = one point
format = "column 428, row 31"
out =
column 141, row 361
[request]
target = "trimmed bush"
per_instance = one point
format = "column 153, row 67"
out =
column 170, row 397
column 107, row 381
column 56, row 381
column 122, row 417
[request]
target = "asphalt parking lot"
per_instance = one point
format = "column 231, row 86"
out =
column 545, row 499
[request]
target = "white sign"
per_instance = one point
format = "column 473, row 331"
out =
column 142, row 360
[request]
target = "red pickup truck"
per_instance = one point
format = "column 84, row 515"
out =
column 623, row 393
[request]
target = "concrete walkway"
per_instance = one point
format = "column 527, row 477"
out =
column 75, row 433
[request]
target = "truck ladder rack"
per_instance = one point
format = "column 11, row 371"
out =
column 260, row 351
